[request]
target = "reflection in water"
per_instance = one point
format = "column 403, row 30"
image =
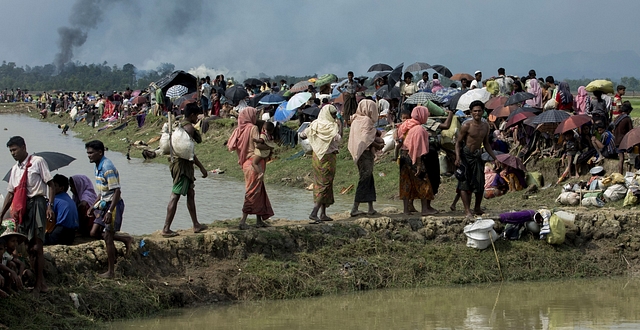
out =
column 576, row 304
column 146, row 187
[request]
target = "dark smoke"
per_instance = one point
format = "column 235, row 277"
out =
column 69, row 38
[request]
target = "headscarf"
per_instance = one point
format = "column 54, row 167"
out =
column 417, row 140
column 436, row 86
column 410, row 123
column 84, row 188
column 363, row 128
column 240, row 139
column 565, row 93
column 322, row 131
column 534, row 88
column 581, row 100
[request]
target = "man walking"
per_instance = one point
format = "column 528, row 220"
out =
column 109, row 203
column 183, row 176
column 472, row 135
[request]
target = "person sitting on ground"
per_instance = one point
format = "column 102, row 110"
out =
column 9, row 278
column 264, row 147
column 11, row 258
column 66, row 220
column 605, row 146
column 83, row 196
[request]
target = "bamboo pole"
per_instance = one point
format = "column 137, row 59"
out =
column 496, row 254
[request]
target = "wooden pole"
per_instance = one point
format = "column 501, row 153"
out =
column 496, row 254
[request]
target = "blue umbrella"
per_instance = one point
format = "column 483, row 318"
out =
column 447, row 93
column 282, row 114
column 272, row 99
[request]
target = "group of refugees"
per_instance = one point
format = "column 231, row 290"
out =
column 17, row 95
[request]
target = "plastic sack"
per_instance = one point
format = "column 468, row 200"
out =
column 434, row 109
column 615, row 192
column 183, row 145
column 550, row 105
column 449, row 135
column 630, row 198
column 304, row 143
column 480, row 234
column 568, row 198
column 592, row 201
column 612, row 179
column 558, row 230
column 534, row 178
column 389, row 142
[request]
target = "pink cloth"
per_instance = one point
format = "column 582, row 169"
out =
column 436, row 86
column 363, row 128
column 241, row 139
column 534, row 88
column 84, row 188
column 417, row 140
column 580, row 101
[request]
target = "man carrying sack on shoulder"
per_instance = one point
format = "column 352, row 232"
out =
column 27, row 189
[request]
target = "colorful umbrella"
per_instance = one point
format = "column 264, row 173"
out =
column 551, row 116
column 521, row 116
column 519, row 97
column 460, row 76
column 495, row 102
column 422, row 98
column 630, row 139
column 282, row 114
column 297, row 100
column 380, row 67
column 571, row 123
column 301, row 86
column 418, row 66
column 326, row 79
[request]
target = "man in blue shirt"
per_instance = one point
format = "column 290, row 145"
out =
column 66, row 222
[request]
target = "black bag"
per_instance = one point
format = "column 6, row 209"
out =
column 585, row 156
column 460, row 173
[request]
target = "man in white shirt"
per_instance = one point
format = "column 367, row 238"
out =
column 424, row 85
column 477, row 83
column 505, row 83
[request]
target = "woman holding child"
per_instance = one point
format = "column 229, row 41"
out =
column 242, row 140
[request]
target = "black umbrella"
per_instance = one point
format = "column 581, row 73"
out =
column 380, row 74
column 312, row 111
column 395, row 75
column 380, row 67
column 519, row 97
column 236, row 93
column 453, row 102
column 524, row 109
column 253, row 81
column 551, row 116
column 253, row 102
column 418, row 66
column 55, row 160
column 443, row 70
column 383, row 92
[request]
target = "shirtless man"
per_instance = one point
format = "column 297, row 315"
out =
column 471, row 137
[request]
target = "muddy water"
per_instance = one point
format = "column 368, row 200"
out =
column 577, row 304
column 146, row 187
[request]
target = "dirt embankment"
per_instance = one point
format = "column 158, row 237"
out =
column 292, row 259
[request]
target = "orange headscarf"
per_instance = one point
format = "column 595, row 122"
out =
column 363, row 128
column 417, row 140
column 241, row 139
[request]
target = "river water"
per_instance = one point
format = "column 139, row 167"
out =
column 146, row 186
column 572, row 304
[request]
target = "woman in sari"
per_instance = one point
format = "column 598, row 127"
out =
column 324, row 137
column 414, row 179
column 83, row 196
column 242, row 139
column 363, row 140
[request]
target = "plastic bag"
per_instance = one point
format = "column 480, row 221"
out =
column 630, row 198
column 592, row 201
column 568, row 198
column 534, row 178
column 558, row 230
column 389, row 142
column 183, row 145
column 615, row 192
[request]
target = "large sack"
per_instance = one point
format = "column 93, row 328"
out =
column 568, row 198
column 534, row 178
column 592, row 201
column 389, row 142
column 183, row 145
column 558, row 230
column 615, row 192
column 630, row 198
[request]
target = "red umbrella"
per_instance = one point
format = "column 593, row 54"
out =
column 503, row 111
column 460, row 76
column 512, row 161
column 519, row 117
column 630, row 139
column 495, row 102
column 571, row 123
column 139, row 100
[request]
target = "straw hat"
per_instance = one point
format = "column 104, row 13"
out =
column 8, row 229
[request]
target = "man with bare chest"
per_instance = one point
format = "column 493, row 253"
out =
column 471, row 138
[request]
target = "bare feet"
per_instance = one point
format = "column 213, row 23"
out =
column 452, row 207
column 107, row 275
column 243, row 226
column 469, row 218
column 127, row 245
column 169, row 234
column 262, row 224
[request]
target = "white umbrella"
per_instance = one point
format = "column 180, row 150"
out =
column 472, row 95
column 297, row 100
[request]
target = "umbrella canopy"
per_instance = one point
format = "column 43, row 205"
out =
column 453, row 101
column 236, row 93
column 551, row 116
column 486, row 158
column 460, row 76
column 282, row 114
column 604, row 86
column 380, row 67
column 176, row 91
column 629, row 140
column 447, row 93
column 182, row 101
column 571, row 123
column 297, row 100
column 495, row 102
column 139, row 100
column 301, row 86
column 519, row 97
column 326, row 79
column 271, row 99
column 477, row 94
column 55, row 160
column 423, row 98
column 335, row 92
column 502, row 111
column 255, row 100
column 395, row 75
column 512, row 161
column 380, row 74
column 136, row 93
column 312, row 111
column 443, row 70
column 253, row 81
column 524, row 109
column 383, row 92
column 521, row 116
column 418, row 66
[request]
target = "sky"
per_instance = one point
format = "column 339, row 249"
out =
column 322, row 36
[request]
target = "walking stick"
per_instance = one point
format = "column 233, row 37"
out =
column 496, row 254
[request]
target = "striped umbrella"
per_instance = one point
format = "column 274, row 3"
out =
column 551, row 116
column 176, row 91
column 423, row 98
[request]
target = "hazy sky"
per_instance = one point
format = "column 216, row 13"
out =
column 319, row 36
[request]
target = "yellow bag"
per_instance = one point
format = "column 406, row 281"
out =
column 630, row 199
column 449, row 135
column 558, row 230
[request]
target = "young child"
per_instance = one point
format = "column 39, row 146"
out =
column 570, row 148
column 264, row 146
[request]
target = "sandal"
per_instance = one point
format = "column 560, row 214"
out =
column 243, row 226
column 326, row 219
column 170, row 234
column 357, row 213
column 314, row 220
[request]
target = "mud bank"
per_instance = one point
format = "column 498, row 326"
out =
column 292, row 259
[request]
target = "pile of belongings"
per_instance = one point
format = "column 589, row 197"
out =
column 542, row 223
column 601, row 189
